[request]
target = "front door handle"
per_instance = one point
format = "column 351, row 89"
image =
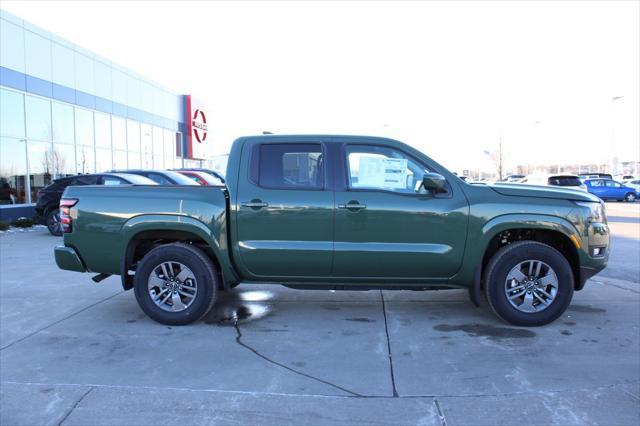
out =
column 255, row 204
column 353, row 206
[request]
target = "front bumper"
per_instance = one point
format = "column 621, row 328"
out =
column 68, row 259
column 595, row 240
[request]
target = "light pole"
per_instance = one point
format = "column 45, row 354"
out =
column 614, row 159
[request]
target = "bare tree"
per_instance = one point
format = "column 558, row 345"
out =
column 500, row 159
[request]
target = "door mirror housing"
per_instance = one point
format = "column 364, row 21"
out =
column 434, row 182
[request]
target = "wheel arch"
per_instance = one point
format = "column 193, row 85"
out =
column 143, row 233
column 550, row 230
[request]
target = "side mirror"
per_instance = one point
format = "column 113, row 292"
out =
column 434, row 182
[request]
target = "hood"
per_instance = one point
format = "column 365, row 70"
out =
column 521, row 190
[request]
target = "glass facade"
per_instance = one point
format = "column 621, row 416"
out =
column 64, row 111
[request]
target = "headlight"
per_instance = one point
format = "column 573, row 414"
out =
column 596, row 211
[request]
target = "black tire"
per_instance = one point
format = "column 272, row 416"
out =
column 205, row 281
column 509, row 257
column 53, row 222
column 630, row 197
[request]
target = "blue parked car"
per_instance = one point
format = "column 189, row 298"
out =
column 608, row 189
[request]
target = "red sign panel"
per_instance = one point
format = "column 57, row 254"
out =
column 197, row 128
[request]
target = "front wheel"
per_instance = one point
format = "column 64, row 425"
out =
column 175, row 284
column 53, row 222
column 529, row 283
column 630, row 197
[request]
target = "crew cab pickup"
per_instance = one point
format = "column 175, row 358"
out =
column 337, row 212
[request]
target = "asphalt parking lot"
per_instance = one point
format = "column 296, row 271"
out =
column 73, row 352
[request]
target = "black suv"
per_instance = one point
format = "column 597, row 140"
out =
column 47, row 206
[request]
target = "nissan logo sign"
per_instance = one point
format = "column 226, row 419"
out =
column 199, row 124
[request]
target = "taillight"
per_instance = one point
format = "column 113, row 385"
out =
column 65, row 213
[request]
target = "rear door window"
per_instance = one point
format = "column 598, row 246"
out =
column 85, row 180
column 564, row 181
column 112, row 180
column 291, row 166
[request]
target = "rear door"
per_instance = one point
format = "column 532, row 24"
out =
column 284, row 217
column 615, row 190
column 597, row 188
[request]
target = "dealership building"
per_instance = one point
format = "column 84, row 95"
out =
column 65, row 110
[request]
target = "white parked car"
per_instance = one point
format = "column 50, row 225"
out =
column 624, row 178
column 635, row 184
column 563, row 180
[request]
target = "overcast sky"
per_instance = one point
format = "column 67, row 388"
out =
column 448, row 78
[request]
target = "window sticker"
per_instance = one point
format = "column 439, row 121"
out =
column 382, row 172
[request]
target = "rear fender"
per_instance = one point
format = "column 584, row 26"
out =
column 177, row 223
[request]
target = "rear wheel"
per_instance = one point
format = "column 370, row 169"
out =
column 53, row 222
column 529, row 283
column 175, row 284
column 630, row 197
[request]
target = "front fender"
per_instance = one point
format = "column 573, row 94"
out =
column 480, row 238
column 526, row 221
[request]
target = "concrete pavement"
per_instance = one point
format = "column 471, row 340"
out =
column 75, row 353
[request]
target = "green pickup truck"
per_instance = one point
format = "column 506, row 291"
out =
column 337, row 212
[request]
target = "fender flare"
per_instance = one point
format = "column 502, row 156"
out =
column 498, row 224
column 170, row 222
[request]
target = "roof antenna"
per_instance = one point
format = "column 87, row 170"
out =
column 264, row 132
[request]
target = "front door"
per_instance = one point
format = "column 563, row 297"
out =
column 387, row 226
column 285, row 213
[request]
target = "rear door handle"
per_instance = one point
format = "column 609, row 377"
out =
column 352, row 206
column 255, row 204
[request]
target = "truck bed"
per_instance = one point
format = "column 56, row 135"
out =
column 106, row 218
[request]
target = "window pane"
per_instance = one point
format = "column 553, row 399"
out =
column 103, row 130
column 11, row 114
column 133, row 136
column 169, row 143
column 103, row 159
column 13, row 170
column 64, row 160
column 37, row 55
column 40, row 166
column 119, row 160
column 12, row 46
column 62, row 123
column 147, row 161
column 84, row 73
column 111, row 180
column 38, row 118
column 134, row 160
column 158, row 141
column 147, row 146
column 119, row 133
column 158, row 162
column 383, row 168
column 291, row 166
column 85, row 161
column 84, row 127
column 102, row 80
column 63, row 65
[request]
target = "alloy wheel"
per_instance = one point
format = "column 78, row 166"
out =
column 54, row 224
column 172, row 286
column 531, row 286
